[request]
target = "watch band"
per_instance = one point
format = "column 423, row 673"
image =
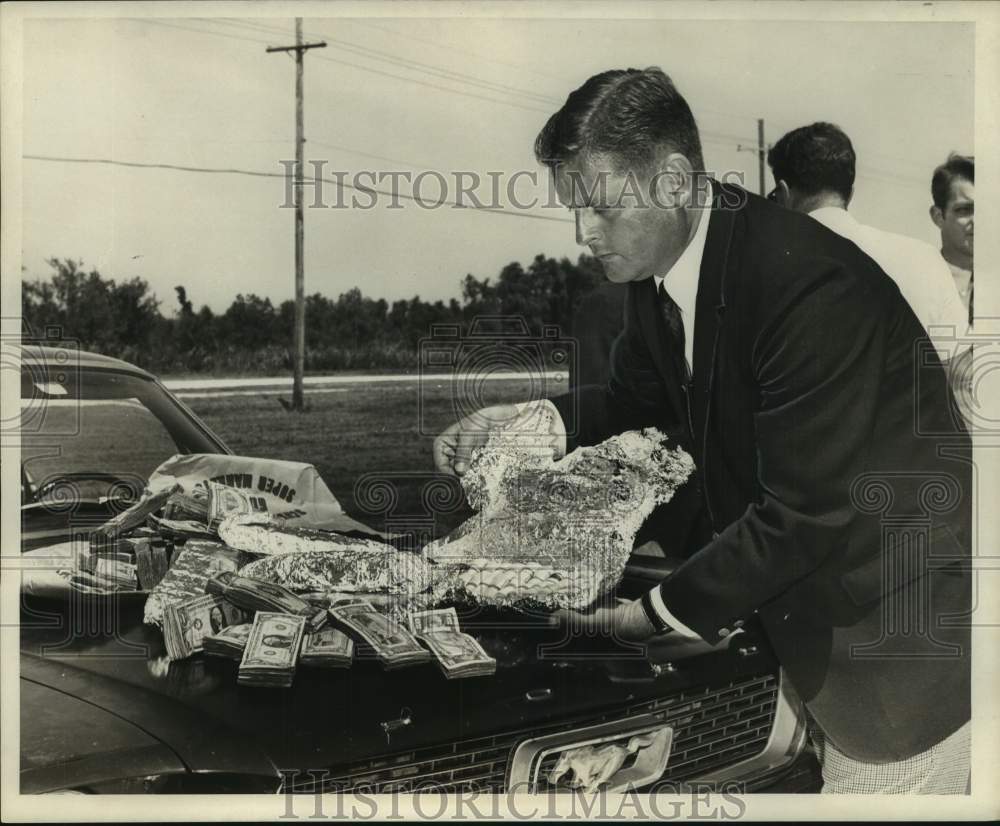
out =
column 654, row 618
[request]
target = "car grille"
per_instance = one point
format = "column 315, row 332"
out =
column 715, row 726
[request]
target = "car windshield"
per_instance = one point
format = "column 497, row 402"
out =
column 98, row 434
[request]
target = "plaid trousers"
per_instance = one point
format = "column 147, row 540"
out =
column 942, row 769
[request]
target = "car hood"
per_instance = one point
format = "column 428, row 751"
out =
column 97, row 650
column 67, row 742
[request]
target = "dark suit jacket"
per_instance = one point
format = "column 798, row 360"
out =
column 595, row 325
column 834, row 479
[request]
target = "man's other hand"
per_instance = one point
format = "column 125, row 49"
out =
column 453, row 448
column 625, row 621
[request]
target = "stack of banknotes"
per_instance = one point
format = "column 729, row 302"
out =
column 186, row 624
column 328, row 648
column 394, row 646
column 272, row 650
column 457, row 653
column 257, row 595
column 229, row 642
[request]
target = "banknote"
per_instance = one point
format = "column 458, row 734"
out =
column 329, row 647
column 229, row 642
column 182, row 528
column 224, row 501
column 424, row 622
column 394, row 646
column 457, row 653
column 116, row 572
column 272, row 650
column 186, row 624
column 258, row 595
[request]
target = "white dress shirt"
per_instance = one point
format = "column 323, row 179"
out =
column 682, row 282
column 919, row 271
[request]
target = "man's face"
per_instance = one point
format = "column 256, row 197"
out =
column 633, row 234
column 956, row 220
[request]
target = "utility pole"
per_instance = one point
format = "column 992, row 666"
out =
column 300, row 301
column 761, row 151
column 760, row 155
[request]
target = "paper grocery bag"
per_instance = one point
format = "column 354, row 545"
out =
column 292, row 493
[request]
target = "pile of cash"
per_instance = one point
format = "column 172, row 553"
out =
column 112, row 563
column 394, row 646
column 229, row 642
column 256, row 595
column 272, row 650
column 186, row 624
column 329, row 648
column 458, row 654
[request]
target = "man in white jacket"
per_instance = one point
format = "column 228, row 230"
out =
column 814, row 169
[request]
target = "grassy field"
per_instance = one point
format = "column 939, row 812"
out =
column 366, row 434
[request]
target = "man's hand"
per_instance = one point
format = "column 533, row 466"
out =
column 625, row 621
column 453, row 448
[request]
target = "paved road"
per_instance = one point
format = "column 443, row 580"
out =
column 200, row 388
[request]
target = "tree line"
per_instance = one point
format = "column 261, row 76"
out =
column 352, row 332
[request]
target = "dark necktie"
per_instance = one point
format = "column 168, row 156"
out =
column 675, row 326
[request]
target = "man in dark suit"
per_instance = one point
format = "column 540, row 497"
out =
column 833, row 482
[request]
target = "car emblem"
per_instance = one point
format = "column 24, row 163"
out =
column 625, row 754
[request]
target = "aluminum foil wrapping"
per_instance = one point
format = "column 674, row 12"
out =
column 358, row 569
column 554, row 533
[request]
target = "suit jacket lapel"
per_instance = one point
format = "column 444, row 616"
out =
column 710, row 302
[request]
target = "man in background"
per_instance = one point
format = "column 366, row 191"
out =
column 953, row 191
column 814, row 169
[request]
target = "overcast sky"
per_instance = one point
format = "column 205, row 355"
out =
column 410, row 95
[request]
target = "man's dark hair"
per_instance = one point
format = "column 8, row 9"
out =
column 814, row 159
column 625, row 113
column 957, row 166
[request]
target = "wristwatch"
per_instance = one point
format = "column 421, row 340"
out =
column 654, row 618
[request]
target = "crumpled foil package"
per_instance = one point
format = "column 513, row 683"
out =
column 554, row 534
column 191, row 567
column 320, row 562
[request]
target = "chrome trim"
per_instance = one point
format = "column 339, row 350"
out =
column 787, row 739
column 522, row 773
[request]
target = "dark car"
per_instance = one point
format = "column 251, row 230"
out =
column 104, row 711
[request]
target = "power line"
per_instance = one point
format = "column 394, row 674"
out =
column 705, row 134
column 478, row 55
column 414, row 65
column 434, row 85
column 357, row 66
column 196, row 30
column 334, row 181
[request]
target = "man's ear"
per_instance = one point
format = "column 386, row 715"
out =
column 673, row 180
column 937, row 216
column 784, row 194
